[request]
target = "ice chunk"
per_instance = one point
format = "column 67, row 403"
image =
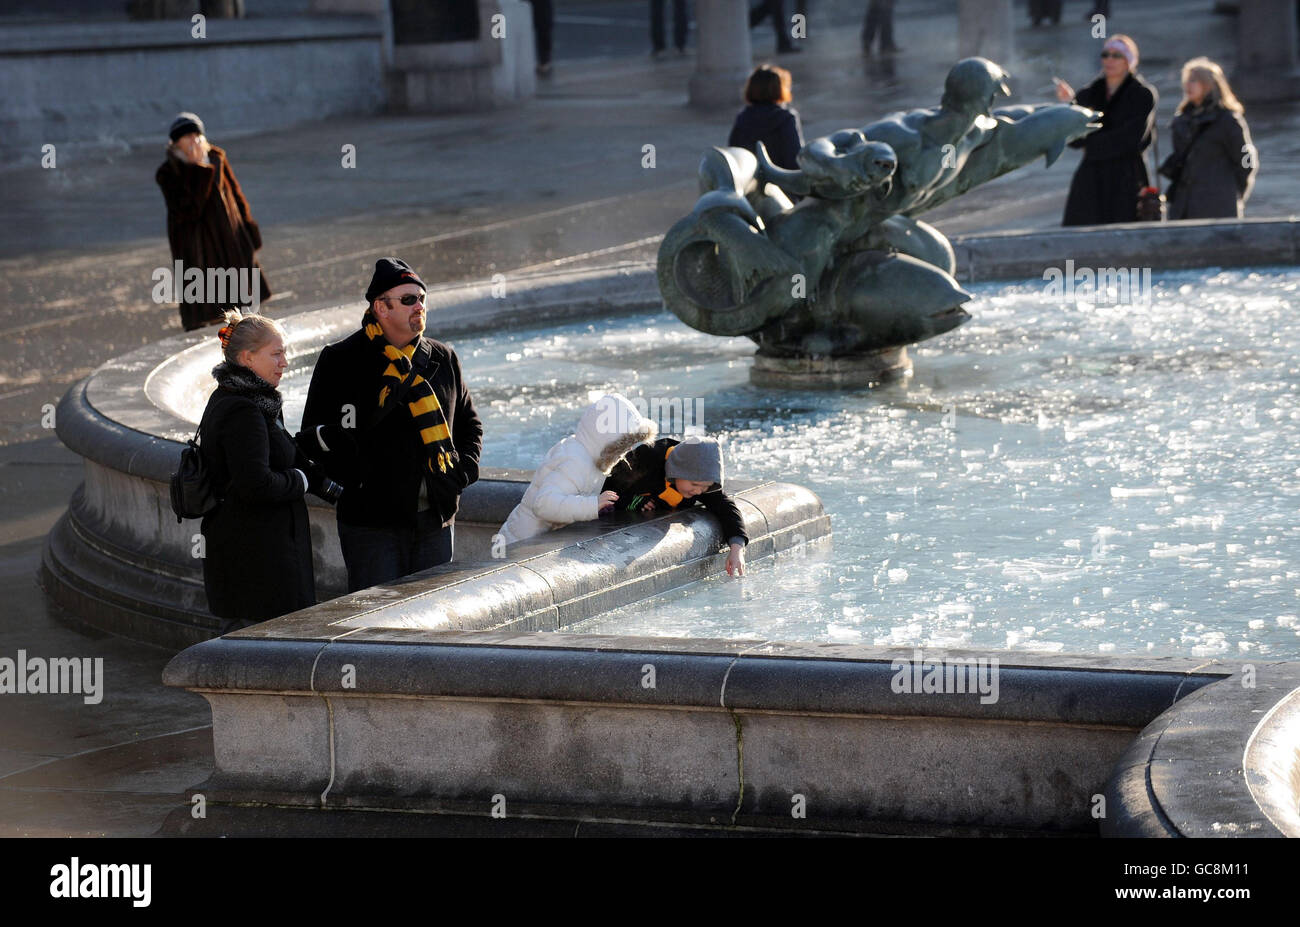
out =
column 1135, row 492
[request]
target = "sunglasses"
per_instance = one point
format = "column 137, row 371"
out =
column 1111, row 54
column 410, row 299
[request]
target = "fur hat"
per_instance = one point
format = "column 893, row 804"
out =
column 610, row 427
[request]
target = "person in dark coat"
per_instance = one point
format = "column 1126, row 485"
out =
column 681, row 25
column 209, row 224
column 1105, row 186
column 780, row 23
column 1214, row 160
column 543, row 29
column 879, row 19
column 768, row 117
column 1040, row 10
column 257, row 559
column 671, row 475
column 389, row 417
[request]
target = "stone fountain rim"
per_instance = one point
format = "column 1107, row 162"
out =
column 86, row 423
column 102, row 418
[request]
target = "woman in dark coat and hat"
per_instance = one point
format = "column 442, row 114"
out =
column 1214, row 161
column 1105, row 187
column 209, row 224
column 257, row 563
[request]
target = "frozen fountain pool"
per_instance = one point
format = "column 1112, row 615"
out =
column 1079, row 478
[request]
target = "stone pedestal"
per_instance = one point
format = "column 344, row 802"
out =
column 723, row 58
column 986, row 28
column 1267, row 66
column 861, row 371
column 456, row 74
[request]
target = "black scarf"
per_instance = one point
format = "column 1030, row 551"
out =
column 239, row 379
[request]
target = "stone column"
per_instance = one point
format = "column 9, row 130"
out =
column 723, row 58
column 1266, row 51
column 986, row 28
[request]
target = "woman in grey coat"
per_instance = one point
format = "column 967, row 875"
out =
column 1214, row 162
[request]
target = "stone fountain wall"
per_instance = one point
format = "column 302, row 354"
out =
column 388, row 702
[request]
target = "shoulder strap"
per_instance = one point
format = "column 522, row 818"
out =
column 1200, row 130
column 419, row 359
column 1155, row 159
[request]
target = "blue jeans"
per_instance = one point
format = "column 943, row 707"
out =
column 380, row 555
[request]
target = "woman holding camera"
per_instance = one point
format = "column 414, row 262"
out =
column 257, row 563
column 1213, row 163
column 209, row 224
column 1106, row 185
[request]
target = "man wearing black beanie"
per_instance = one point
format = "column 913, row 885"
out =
column 389, row 417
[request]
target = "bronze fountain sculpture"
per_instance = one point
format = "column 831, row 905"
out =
column 834, row 288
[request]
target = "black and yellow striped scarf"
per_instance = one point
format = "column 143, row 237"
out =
column 670, row 493
column 422, row 400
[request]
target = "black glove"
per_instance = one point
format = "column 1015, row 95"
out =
column 455, row 474
column 319, row 484
column 332, row 439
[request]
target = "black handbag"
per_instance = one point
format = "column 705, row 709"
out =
column 191, row 485
column 1172, row 166
column 1152, row 205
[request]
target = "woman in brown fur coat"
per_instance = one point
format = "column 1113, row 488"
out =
column 209, row 224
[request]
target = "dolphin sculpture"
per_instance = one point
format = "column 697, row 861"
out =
column 829, row 260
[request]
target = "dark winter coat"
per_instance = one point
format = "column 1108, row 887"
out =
column 257, row 558
column 1106, row 185
column 381, row 466
column 208, row 225
column 639, row 478
column 1218, row 172
column 775, row 125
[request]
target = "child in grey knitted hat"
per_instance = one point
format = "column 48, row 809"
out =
column 670, row 475
column 697, row 460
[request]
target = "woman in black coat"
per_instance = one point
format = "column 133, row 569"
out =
column 257, row 561
column 209, row 224
column 1105, row 187
column 768, row 117
column 1213, row 163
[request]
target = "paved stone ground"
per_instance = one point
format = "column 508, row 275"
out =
column 558, row 182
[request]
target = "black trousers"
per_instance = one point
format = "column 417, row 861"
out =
column 780, row 22
column 543, row 26
column 381, row 555
column 880, row 18
column 680, row 24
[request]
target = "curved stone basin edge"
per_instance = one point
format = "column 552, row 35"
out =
column 1183, row 245
column 722, row 735
column 1221, row 762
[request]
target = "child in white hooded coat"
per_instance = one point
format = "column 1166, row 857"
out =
column 567, row 485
